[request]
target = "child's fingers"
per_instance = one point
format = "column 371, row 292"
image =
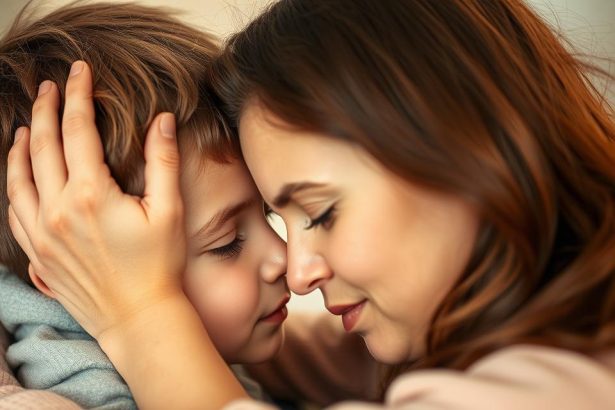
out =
column 48, row 168
column 82, row 146
column 21, row 190
column 162, row 192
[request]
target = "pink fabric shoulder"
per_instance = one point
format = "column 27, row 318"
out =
column 518, row 377
column 13, row 396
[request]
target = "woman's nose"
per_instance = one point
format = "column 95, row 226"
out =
column 306, row 271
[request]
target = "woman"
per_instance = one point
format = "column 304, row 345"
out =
column 444, row 170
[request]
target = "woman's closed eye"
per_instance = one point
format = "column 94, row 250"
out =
column 325, row 220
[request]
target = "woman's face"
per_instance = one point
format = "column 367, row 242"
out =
column 383, row 252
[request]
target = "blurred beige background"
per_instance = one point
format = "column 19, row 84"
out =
column 590, row 24
column 218, row 16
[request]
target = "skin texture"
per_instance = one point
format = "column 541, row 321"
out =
column 235, row 271
column 395, row 245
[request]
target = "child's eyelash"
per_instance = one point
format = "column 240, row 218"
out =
column 230, row 250
column 325, row 219
column 267, row 210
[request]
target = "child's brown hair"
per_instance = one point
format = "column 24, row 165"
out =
column 144, row 61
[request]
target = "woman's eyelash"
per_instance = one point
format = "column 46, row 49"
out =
column 325, row 219
column 230, row 250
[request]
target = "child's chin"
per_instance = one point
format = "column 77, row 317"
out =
column 261, row 350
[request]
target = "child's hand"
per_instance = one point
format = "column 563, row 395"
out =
column 103, row 254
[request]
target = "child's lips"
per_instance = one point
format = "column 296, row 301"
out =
column 279, row 314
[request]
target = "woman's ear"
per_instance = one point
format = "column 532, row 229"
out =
column 39, row 284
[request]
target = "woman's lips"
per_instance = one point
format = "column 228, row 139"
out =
column 279, row 315
column 350, row 314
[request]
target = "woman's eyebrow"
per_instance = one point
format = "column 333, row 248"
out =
column 222, row 217
column 288, row 190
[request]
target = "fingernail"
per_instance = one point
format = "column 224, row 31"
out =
column 19, row 133
column 167, row 125
column 44, row 87
column 76, row 68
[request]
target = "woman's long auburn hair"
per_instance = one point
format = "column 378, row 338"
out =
column 477, row 98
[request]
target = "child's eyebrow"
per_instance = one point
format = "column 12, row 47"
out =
column 222, row 217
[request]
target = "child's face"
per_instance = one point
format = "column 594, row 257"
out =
column 236, row 264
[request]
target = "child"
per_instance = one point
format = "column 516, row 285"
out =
column 144, row 62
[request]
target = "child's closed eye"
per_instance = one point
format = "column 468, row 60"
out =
column 230, row 250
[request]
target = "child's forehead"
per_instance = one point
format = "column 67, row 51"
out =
column 198, row 164
column 211, row 188
column 216, row 175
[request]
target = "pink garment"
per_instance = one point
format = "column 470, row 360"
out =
column 519, row 377
column 13, row 396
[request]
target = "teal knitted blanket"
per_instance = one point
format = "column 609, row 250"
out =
column 50, row 351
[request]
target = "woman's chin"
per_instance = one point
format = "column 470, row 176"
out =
column 388, row 352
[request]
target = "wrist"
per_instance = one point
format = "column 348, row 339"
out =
column 151, row 318
column 168, row 338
